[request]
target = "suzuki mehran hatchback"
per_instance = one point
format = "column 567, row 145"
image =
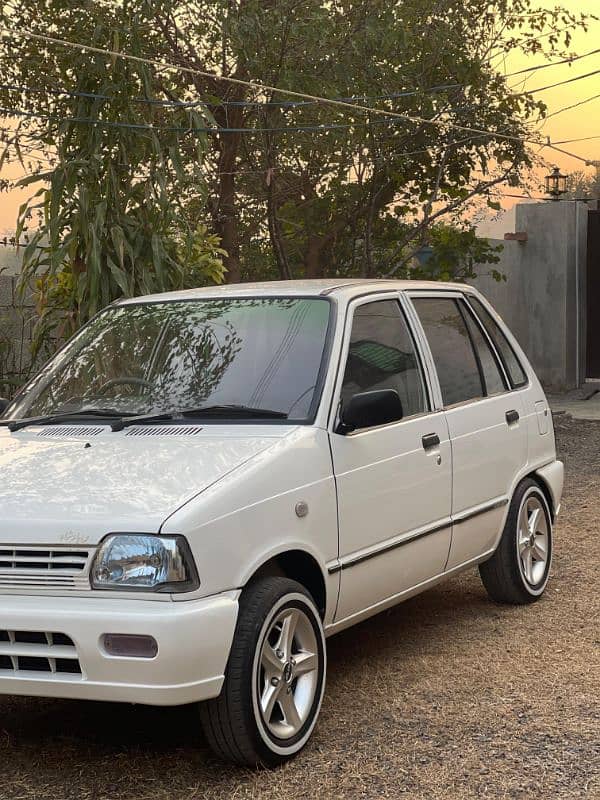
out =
column 201, row 486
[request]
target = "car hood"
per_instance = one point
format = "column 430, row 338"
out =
column 74, row 485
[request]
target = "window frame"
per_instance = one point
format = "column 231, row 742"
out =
column 458, row 296
column 170, row 298
column 514, row 387
column 467, row 312
column 407, row 317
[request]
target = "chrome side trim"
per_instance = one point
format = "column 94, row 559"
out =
column 467, row 515
column 388, row 602
column 353, row 560
column 359, row 558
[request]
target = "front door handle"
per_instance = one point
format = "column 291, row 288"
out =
column 430, row 441
column 512, row 417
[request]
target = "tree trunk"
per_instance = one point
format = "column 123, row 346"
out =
column 277, row 243
column 312, row 257
column 226, row 212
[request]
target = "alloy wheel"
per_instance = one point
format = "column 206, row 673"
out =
column 288, row 673
column 533, row 540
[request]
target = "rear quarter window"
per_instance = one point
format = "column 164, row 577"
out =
column 513, row 367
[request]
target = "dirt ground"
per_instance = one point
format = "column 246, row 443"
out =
column 446, row 696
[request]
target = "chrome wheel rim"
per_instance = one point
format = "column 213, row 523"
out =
column 288, row 673
column 533, row 540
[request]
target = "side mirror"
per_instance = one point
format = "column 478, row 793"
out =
column 368, row 409
column 3, row 405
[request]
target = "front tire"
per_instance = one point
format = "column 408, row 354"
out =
column 518, row 571
column 274, row 680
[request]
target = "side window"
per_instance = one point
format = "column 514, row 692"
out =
column 515, row 371
column 382, row 355
column 451, row 347
column 491, row 373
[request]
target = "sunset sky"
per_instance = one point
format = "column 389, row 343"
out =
column 577, row 122
column 583, row 121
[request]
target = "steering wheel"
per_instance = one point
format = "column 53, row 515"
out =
column 126, row 380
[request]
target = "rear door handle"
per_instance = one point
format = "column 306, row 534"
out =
column 512, row 417
column 430, row 441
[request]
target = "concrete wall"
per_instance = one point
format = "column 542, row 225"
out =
column 16, row 323
column 543, row 300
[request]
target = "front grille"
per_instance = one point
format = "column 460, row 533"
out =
column 38, row 651
column 43, row 567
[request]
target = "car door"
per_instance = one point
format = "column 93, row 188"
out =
column 394, row 480
column 488, row 437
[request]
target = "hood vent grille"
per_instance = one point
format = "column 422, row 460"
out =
column 163, row 430
column 71, row 430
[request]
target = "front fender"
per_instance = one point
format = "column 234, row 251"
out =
column 250, row 516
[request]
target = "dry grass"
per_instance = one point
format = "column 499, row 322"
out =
column 447, row 696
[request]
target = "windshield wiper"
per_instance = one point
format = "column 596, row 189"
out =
column 120, row 424
column 48, row 419
column 224, row 410
column 234, row 410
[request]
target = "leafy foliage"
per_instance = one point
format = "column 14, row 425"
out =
column 289, row 188
column 583, row 186
column 452, row 255
column 112, row 209
column 329, row 189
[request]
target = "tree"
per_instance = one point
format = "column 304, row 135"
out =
column 584, row 186
column 291, row 187
column 113, row 205
column 323, row 184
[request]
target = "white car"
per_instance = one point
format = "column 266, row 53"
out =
column 201, row 486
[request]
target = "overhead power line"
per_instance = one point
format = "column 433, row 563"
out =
column 569, row 60
column 573, row 105
column 582, row 139
column 265, row 87
column 561, row 83
column 141, row 127
column 568, row 153
column 279, row 90
column 12, row 87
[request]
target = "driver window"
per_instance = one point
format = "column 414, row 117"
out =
column 382, row 355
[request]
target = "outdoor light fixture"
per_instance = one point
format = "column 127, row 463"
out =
column 556, row 184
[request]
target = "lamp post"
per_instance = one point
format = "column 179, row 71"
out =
column 556, row 184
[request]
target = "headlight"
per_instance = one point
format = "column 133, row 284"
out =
column 145, row 562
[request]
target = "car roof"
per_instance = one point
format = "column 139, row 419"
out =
column 343, row 287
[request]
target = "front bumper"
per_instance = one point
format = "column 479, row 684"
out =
column 194, row 639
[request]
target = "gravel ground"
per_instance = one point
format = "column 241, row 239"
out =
column 446, row 696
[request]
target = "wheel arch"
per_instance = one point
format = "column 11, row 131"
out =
column 550, row 479
column 548, row 490
column 298, row 565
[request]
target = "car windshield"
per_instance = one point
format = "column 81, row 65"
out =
column 256, row 353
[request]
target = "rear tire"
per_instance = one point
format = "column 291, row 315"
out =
column 518, row 571
column 274, row 680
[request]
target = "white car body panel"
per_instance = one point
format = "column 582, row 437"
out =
column 486, row 454
column 172, row 678
column 243, row 494
column 387, row 469
column 249, row 517
column 75, row 486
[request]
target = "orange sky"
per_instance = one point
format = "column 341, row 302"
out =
column 579, row 122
